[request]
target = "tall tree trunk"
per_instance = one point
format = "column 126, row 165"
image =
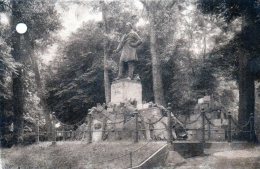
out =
column 246, row 94
column 42, row 97
column 106, row 44
column 156, row 66
column 18, row 106
column 40, row 88
column 3, row 122
column 106, row 78
column 246, row 79
column 18, row 85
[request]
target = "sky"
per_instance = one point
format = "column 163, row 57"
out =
column 71, row 20
column 4, row 19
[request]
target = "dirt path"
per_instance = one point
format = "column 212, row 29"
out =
column 234, row 159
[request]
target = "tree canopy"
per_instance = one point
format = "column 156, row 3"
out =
column 42, row 20
column 191, row 48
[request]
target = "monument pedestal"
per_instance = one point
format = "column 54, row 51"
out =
column 124, row 90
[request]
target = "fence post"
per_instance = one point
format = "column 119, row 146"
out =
column 131, row 159
column 63, row 133
column 37, row 132
column 170, row 136
column 229, row 127
column 53, row 131
column 203, row 125
column 209, row 132
column 151, row 134
column 89, row 127
column 251, row 126
column 136, row 126
column 103, row 132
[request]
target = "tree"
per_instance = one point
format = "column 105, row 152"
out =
column 7, row 67
column 18, row 89
column 41, row 19
column 77, row 82
column 152, row 7
column 245, row 47
column 79, row 69
column 106, row 46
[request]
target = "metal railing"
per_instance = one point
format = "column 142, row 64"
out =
column 229, row 130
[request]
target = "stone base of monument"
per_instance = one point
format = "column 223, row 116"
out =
column 125, row 90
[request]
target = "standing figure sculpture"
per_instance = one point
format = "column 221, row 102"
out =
column 128, row 44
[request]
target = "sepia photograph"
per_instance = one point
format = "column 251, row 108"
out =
column 129, row 84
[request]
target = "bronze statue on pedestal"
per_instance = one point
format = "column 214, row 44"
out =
column 128, row 44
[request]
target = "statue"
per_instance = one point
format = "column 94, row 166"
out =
column 128, row 44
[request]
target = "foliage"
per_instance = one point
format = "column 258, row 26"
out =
column 7, row 67
column 244, row 41
column 241, row 50
column 198, row 44
column 80, row 75
column 79, row 67
column 189, row 68
column 42, row 20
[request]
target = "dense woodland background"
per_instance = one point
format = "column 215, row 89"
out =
column 191, row 48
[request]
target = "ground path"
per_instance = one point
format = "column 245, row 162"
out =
column 231, row 159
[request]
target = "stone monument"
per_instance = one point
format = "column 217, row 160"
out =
column 125, row 88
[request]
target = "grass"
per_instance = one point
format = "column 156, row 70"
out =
column 78, row 155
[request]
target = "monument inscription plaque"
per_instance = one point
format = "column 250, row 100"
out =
column 124, row 90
